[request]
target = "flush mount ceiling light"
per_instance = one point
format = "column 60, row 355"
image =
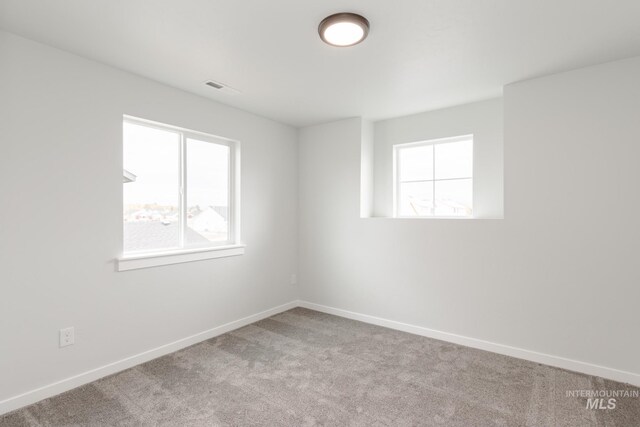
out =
column 343, row 29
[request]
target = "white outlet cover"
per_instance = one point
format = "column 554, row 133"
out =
column 67, row 336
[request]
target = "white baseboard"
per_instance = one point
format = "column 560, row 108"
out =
column 533, row 356
column 66, row 384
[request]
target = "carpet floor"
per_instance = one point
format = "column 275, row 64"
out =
column 304, row 368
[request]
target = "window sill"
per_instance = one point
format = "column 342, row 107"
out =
column 133, row 262
column 412, row 218
column 434, row 217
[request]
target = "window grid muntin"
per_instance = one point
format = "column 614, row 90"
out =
column 397, row 172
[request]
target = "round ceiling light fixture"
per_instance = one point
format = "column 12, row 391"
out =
column 343, row 29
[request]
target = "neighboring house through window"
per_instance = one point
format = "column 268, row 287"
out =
column 178, row 189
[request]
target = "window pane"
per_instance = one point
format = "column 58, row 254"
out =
column 416, row 199
column 207, row 193
column 150, row 189
column 454, row 197
column 454, row 160
column 416, row 163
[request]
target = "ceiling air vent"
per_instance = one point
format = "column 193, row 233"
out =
column 221, row 87
column 214, row 84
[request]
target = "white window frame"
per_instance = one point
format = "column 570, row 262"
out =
column 231, row 247
column 397, row 167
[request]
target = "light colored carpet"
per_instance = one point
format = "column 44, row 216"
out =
column 303, row 368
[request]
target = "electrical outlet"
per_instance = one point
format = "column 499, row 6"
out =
column 67, row 337
column 294, row 279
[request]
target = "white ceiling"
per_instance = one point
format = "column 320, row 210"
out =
column 420, row 54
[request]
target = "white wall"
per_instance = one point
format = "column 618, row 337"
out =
column 367, row 167
column 558, row 275
column 482, row 119
column 61, row 214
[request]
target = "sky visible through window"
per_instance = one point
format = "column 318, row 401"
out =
column 435, row 179
column 151, row 195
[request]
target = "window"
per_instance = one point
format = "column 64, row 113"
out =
column 179, row 189
column 434, row 178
